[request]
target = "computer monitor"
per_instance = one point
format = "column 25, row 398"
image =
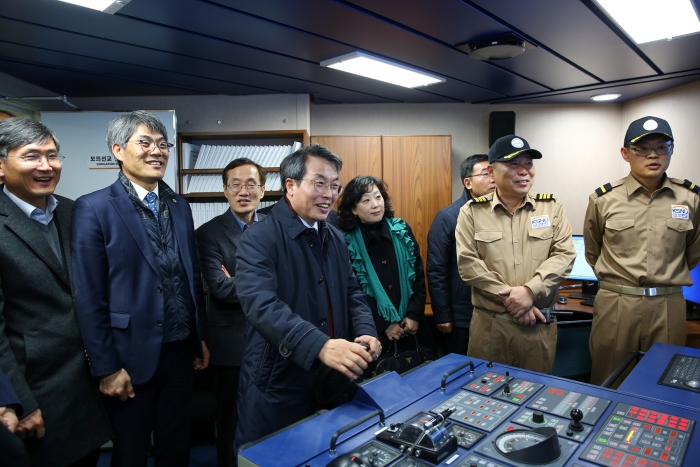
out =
column 582, row 271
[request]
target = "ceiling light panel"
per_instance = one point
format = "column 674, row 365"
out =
column 606, row 97
column 107, row 6
column 652, row 20
column 360, row 63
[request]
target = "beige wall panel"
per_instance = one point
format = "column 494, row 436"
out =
column 580, row 143
column 681, row 107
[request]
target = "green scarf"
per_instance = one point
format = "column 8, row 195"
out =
column 367, row 276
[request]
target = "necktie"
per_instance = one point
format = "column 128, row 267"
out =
column 152, row 201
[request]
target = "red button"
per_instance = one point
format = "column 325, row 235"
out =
column 657, row 431
column 560, row 392
column 551, row 390
column 647, row 451
column 635, row 449
column 674, row 434
column 642, row 462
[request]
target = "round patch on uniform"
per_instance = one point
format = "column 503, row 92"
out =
column 650, row 125
column 517, row 143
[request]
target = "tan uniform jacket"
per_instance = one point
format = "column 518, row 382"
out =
column 639, row 239
column 497, row 249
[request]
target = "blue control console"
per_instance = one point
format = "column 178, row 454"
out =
column 491, row 416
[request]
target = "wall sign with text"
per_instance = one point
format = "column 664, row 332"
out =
column 102, row 162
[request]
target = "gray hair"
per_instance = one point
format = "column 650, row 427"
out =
column 122, row 128
column 17, row 132
column 294, row 165
column 468, row 164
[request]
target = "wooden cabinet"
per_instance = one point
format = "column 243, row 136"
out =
column 417, row 169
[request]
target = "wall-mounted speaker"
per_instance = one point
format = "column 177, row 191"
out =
column 500, row 124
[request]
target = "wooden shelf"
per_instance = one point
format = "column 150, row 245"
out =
column 219, row 194
column 218, row 171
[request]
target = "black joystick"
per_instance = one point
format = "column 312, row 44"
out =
column 506, row 388
column 538, row 418
column 576, row 417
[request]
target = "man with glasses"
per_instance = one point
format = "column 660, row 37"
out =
column 642, row 239
column 450, row 297
column 138, row 296
column 41, row 352
column 301, row 300
column 514, row 248
column 217, row 241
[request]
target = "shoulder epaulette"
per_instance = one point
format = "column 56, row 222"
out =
column 600, row 191
column 480, row 199
column 691, row 186
column 544, row 196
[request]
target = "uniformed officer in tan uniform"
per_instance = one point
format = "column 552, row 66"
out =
column 642, row 238
column 513, row 248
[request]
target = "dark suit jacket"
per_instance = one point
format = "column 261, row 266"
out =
column 40, row 347
column 217, row 241
column 118, row 292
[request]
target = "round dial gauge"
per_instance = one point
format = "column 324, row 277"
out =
column 517, row 440
column 536, row 446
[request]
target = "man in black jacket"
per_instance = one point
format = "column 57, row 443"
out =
column 450, row 297
column 217, row 242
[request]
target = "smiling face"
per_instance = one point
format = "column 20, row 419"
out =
column 514, row 178
column 648, row 170
column 145, row 168
column 370, row 208
column 32, row 185
column 310, row 204
column 244, row 202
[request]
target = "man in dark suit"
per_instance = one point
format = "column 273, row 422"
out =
column 138, row 296
column 41, row 352
column 217, row 240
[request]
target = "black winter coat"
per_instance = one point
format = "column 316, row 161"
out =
column 283, row 270
column 451, row 299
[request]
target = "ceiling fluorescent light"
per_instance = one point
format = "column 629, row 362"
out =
column 652, row 20
column 366, row 65
column 107, row 6
column 606, row 97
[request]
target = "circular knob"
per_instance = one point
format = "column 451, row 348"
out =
column 484, row 380
column 576, row 417
column 538, row 418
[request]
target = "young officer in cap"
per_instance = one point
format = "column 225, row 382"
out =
column 513, row 248
column 642, row 239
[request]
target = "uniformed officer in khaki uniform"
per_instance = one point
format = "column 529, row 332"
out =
column 642, row 238
column 513, row 248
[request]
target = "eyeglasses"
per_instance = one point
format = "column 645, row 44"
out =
column 147, row 145
column 236, row 187
column 322, row 185
column 482, row 174
column 33, row 160
column 646, row 150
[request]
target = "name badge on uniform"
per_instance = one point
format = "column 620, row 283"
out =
column 679, row 211
column 538, row 222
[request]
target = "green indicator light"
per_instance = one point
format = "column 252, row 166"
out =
column 617, row 419
column 602, row 440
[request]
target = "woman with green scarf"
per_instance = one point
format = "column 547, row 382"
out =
column 386, row 258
